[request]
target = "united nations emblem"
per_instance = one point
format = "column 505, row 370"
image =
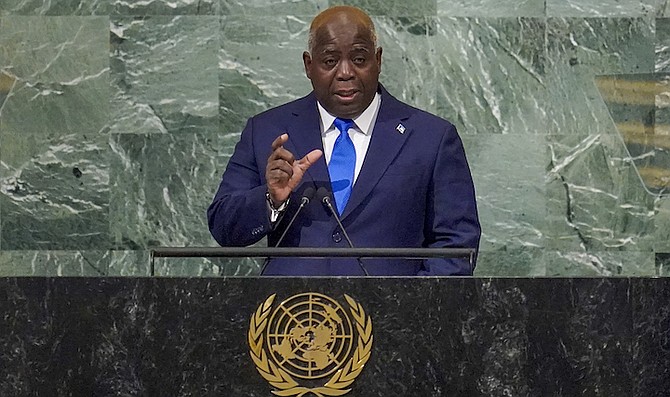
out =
column 310, row 344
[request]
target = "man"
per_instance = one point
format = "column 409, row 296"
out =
column 398, row 175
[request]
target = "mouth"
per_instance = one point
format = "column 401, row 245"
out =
column 346, row 95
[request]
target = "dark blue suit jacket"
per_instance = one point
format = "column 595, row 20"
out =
column 414, row 190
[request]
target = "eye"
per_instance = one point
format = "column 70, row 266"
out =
column 330, row 62
column 359, row 60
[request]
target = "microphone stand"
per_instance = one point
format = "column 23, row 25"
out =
column 325, row 199
column 304, row 200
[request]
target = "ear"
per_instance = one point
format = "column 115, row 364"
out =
column 307, row 62
column 378, row 56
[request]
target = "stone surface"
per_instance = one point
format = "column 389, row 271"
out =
column 606, row 8
column 431, row 337
column 117, row 119
column 163, row 74
column 54, row 7
column 491, row 8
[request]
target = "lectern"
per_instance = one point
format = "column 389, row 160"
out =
column 351, row 336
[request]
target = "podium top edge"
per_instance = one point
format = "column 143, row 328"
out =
column 310, row 252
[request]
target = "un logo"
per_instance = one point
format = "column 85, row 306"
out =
column 309, row 343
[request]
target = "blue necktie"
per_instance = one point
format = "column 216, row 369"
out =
column 342, row 164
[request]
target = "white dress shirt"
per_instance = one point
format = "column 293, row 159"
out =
column 360, row 133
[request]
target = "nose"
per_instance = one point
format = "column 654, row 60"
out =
column 345, row 70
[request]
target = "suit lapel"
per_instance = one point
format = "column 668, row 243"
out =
column 385, row 144
column 304, row 133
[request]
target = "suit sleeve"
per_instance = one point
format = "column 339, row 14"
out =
column 238, row 215
column 452, row 220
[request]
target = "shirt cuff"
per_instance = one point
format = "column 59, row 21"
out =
column 275, row 213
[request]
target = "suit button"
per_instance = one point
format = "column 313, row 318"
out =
column 337, row 237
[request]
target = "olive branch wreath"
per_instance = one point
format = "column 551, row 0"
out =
column 280, row 379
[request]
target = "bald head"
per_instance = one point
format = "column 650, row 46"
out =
column 343, row 62
column 352, row 14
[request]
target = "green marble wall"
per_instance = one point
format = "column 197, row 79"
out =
column 117, row 119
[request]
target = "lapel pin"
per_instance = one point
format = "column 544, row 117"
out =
column 400, row 128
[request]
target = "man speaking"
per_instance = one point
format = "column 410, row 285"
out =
column 349, row 152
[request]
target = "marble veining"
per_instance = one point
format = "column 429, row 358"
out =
column 117, row 119
column 432, row 337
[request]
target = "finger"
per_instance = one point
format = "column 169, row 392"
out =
column 309, row 159
column 281, row 154
column 279, row 167
column 279, row 141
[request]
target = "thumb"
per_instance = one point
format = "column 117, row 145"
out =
column 309, row 159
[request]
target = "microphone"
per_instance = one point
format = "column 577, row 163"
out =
column 324, row 196
column 307, row 196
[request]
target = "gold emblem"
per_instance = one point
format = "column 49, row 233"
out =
column 310, row 344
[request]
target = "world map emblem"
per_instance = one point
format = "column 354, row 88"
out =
column 309, row 344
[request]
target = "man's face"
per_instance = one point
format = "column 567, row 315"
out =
column 344, row 66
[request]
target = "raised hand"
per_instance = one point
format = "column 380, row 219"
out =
column 283, row 172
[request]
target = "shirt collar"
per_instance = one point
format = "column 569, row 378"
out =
column 363, row 122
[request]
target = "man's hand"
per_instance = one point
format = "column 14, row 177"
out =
column 283, row 172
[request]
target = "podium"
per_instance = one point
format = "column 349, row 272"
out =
column 439, row 336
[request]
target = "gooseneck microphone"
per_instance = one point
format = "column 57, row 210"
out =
column 307, row 196
column 324, row 196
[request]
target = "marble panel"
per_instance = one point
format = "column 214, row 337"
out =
column 54, row 192
column 508, row 171
column 662, row 223
column 651, row 337
column 7, row 82
column 662, row 44
column 307, row 8
column 599, row 264
column 491, row 8
column 514, row 75
column 662, row 8
column 481, row 338
column 164, row 7
column 595, row 199
column 663, row 264
column 129, row 263
column 584, row 47
column 407, row 59
column 489, row 74
column 260, row 66
column 592, row 320
column 432, row 337
column 60, row 66
column 638, row 104
column 261, row 63
column 20, row 264
column 164, row 74
column 161, row 187
column 580, row 49
column 209, row 267
column 52, row 263
column 54, row 7
column 574, row 106
column 601, row 8
column 511, row 262
column 399, row 8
